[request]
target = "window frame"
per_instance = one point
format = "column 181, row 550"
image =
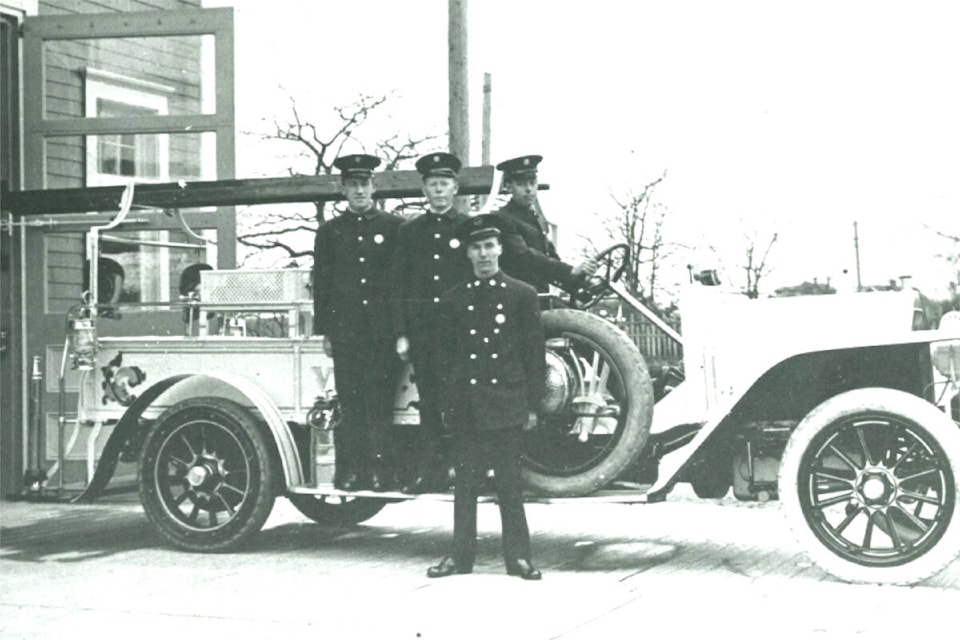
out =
column 103, row 85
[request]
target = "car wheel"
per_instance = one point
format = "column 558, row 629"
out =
column 869, row 483
column 206, row 475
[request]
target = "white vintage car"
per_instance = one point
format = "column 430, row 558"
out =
column 833, row 404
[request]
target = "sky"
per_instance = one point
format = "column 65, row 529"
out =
column 798, row 118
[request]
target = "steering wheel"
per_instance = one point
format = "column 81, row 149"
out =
column 611, row 264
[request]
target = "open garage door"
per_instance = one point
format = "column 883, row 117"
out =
column 110, row 99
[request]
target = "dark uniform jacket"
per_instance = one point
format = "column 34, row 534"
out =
column 351, row 276
column 492, row 353
column 527, row 252
column 428, row 261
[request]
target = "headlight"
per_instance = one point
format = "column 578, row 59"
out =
column 946, row 358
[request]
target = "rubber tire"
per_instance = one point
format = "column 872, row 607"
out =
column 351, row 511
column 939, row 427
column 632, row 368
column 255, row 508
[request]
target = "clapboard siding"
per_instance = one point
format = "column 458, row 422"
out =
column 64, row 266
column 173, row 62
column 53, row 7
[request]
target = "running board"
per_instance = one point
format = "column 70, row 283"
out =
column 634, row 494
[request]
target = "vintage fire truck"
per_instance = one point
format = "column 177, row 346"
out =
column 841, row 406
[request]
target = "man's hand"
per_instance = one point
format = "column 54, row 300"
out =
column 585, row 269
column 327, row 347
column 403, row 348
column 531, row 422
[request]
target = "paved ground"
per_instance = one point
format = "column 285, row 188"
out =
column 680, row 569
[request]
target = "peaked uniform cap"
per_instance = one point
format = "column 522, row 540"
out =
column 522, row 167
column 479, row 227
column 439, row 164
column 357, row 165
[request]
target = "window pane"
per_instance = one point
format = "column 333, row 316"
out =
column 87, row 161
column 175, row 70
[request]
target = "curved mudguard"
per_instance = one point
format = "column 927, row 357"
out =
column 128, row 434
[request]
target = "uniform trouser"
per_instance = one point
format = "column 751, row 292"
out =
column 426, row 369
column 475, row 452
column 364, row 374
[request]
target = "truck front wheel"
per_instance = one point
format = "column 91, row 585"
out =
column 337, row 511
column 597, row 407
column 869, row 483
column 206, row 475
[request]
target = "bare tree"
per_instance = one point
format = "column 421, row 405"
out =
column 288, row 229
column 638, row 222
column 757, row 263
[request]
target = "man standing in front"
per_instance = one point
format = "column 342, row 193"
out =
column 352, row 258
column 533, row 259
column 428, row 261
column 492, row 349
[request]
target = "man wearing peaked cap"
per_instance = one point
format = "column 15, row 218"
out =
column 492, row 355
column 528, row 253
column 352, row 259
column 477, row 228
column 429, row 260
column 440, row 164
column 358, row 165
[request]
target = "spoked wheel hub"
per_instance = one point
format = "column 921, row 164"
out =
column 876, row 488
column 202, row 475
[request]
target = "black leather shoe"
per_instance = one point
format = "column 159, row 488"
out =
column 382, row 482
column 524, row 569
column 447, row 567
column 350, row 483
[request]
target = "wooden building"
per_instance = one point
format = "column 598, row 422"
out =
column 95, row 93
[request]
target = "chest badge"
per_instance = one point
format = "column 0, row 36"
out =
column 454, row 243
column 499, row 318
column 378, row 238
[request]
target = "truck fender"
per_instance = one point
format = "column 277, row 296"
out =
column 171, row 390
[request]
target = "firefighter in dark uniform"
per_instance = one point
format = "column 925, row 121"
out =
column 352, row 259
column 492, row 350
column 528, row 254
column 428, row 261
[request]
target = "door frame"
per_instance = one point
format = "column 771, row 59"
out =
column 37, row 128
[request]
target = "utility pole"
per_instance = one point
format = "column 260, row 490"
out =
column 459, row 120
column 856, row 250
column 487, row 109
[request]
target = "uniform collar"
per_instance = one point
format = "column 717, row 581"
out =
column 366, row 215
column 448, row 214
column 496, row 280
column 519, row 207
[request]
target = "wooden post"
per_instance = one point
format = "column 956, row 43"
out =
column 459, row 120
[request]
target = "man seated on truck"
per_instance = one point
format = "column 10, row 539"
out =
column 352, row 258
column 528, row 253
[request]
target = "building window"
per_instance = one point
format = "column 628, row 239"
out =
column 117, row 158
